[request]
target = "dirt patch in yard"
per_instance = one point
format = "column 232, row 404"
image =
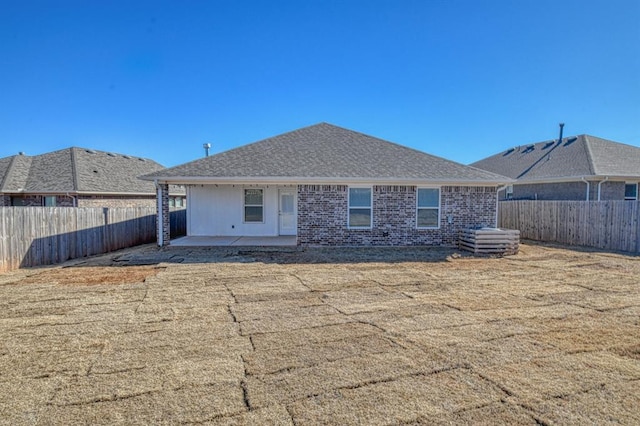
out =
column 93, row 275
column 228, row 336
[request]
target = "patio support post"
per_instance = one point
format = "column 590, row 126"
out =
column 163, row 221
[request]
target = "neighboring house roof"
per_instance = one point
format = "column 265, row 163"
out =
column 574, row 157
column 77, row 170
column 325, row 153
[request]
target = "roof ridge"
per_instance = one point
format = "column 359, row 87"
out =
column 587, row 148
column 326, row 151
column 74, row 171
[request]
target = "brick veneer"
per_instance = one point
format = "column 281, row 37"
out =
column 165, row 227
column 609, row 190
column 116, row 201
column 322, row 215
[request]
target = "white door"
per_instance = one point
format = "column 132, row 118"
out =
column 287, row 212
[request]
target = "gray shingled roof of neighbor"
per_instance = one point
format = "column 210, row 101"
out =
column 77, row 171
column 573, row 157
column 325, row 153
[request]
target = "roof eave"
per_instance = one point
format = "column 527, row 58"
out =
column 576, row 178
column 75, row 193
column 274, row 180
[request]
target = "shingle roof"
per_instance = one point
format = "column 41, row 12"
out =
column 16, row 171
column 577, row 156
column 77, row 170
column 327, row 152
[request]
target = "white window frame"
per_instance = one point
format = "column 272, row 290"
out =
column 625, row 191
column 245, row 205
column 439, row 208
column 370, row 188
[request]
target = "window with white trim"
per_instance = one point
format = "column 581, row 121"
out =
column 428, row 208
column 360, row 208
column 630, row 191
column 253, row 205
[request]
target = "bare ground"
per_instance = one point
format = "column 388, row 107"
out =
column 323, row 336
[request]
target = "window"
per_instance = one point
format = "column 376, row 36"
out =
column 253, row 205
column 509, row 192
column 49, row 201
column 631, row 191
column 18, row 201
column 172, row 202
column 359, row 208
column 428, row 210
column 179, row 202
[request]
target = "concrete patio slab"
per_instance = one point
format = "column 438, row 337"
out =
column 197, row 241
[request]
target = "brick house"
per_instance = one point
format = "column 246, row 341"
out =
column 330, row 186
column 575, row 168
column 79, row 177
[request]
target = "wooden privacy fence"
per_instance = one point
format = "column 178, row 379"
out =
column 177, row 222
column 608, row 225
column 32, row 236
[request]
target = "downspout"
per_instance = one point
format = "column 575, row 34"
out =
column 502, row 188
column 606, row 178
column 160, row 218
column 73, row 199
column 588, row 187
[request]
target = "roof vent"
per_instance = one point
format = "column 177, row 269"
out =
column 90, row 151
column 529, row 148
column 21, row 153
column 548, row 145
column 509, row 151
column 141, row 159
column 570, row 141
column 126, row 156
column 111, row 154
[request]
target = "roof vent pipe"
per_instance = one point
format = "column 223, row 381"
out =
column 560, row 138
column 206, row 147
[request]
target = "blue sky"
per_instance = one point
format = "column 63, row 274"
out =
column 458, row 79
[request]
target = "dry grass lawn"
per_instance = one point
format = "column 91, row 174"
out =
column 236, row 336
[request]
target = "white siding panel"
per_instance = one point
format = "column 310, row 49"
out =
column 218, row 211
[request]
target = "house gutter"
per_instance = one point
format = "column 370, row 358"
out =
column 502, row 188
column 273, row 180
column 588, row 186
column 578, row 178
column 606, row 178
column 160, row 218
